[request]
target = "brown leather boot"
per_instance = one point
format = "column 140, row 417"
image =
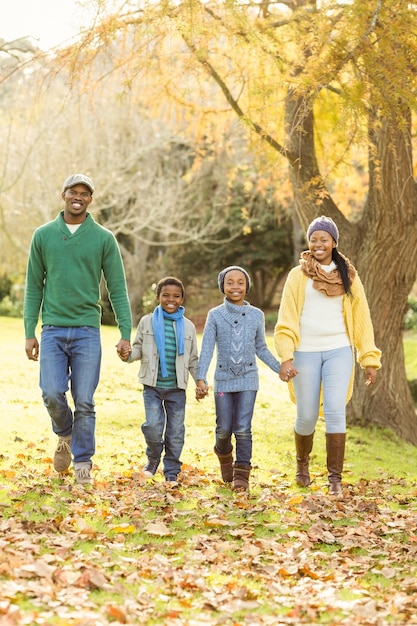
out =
column 335, row 447
column 241, row 477
column 303, row 447
column 226, row 465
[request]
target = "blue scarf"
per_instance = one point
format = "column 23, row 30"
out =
column 158, row 317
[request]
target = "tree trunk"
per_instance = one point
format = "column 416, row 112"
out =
column 382, row 246
column 387, row 261
column 135, row 266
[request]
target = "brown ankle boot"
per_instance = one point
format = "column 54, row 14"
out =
column 335, row 447
column 226, row 465
column 241, row 477
column 303, row 447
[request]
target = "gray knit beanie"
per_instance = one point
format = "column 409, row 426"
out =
column 323, row 223
column 223, row 273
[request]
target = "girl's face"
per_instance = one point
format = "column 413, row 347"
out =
column 321, row 245
column 170, row 298
column 235, row 287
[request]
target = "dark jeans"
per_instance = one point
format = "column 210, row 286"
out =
column 164, row 427
column 234, row 412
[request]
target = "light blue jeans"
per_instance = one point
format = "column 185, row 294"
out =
column 332, row 369
column 164, row 427
column 71, row 358
column 234, row 412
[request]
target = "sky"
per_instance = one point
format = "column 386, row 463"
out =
column 49, row 22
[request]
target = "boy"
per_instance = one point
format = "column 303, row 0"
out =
column 166, row 344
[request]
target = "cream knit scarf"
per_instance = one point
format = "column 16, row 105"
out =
column 328, row 282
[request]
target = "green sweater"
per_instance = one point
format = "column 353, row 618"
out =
column 63, row 277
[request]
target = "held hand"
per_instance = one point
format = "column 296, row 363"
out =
column 201, row 390
column 199, row 394
column 32, row 349
column 124, row 349
column 287, row 371
column 370, row 376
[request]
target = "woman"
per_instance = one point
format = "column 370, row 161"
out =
column 323, row 316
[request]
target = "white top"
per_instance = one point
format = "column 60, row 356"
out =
column 72, row 227
column 322, row 325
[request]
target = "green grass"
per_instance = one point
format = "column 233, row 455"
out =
column 410, row 354
column 131, row 551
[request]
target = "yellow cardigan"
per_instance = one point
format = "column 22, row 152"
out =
column 357, row 319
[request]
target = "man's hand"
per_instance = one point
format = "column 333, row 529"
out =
column 124, row 349
column 32, row 349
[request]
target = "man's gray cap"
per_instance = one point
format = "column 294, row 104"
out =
column 78, row 179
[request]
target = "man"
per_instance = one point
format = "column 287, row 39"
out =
column 67, row 259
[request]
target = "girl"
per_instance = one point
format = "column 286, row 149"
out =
column 238, row 330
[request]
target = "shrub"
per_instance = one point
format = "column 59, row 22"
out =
column 10, row 307
column 11, row 303
column 5, row 286
column 410, row 318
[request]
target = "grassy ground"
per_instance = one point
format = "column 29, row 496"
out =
column 130, row 551
column 410, row 351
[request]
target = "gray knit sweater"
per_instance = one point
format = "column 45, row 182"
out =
column 239, row 334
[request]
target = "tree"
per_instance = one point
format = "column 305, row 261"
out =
column 281, row 66
column 264, row 246
column 156, row 186
column 165, row 193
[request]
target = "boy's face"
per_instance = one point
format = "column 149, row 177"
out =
column 170, row 298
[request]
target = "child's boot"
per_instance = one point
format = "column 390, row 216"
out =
column 150, row 468
column 226, row 465
column 241, row 477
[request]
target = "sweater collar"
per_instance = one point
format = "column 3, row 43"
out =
column 231, row 312
column 89, row 219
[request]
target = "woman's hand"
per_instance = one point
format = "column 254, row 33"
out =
column 287, row 371
column 370, row 376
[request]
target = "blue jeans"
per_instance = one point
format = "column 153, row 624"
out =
column 164, row 427
column 332, row 369
column 234, row 412
column 71, row 357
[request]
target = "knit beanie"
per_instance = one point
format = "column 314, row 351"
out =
column 323, row 223
column 223, row 273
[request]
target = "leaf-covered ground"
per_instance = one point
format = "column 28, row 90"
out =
column 132, row 551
